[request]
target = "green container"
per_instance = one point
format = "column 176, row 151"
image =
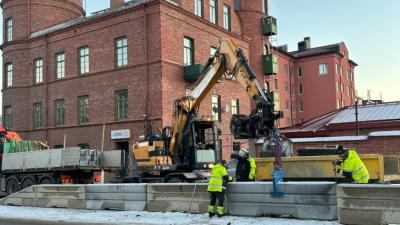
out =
column 269, row 27
column 270, row 64
column 192, row 72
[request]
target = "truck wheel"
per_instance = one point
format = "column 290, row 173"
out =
column 176, row 180
column 46, row 180
column 12, row 186
column 29, row 181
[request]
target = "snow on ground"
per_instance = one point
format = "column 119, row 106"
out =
column 148, row 218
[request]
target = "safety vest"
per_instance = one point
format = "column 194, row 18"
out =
column 216, row 181
column 357, row 168
column 252, row 167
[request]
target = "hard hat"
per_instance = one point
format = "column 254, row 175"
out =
column 340, row 150
column 224, row 163
column 243, row 152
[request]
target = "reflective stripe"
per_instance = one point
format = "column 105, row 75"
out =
column 361, row 178
column 216, row 177
column 217, row 185
column 359, row 169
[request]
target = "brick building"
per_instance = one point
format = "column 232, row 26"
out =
column 67, row 75
column 312, row 81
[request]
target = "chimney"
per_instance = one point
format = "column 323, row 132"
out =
column 304, row 45
column 116, row 3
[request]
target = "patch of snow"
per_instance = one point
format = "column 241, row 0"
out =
column 135, row 217
column 392, row 133
column 328, row 139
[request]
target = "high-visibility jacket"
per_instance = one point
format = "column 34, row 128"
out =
column 245, row 169
column 215, row 184
column 356, row 167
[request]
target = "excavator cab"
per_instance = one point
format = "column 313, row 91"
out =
column 204, row 144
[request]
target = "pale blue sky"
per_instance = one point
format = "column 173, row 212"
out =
column 370, row 29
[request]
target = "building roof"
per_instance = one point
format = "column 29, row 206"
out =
column 377, row 113
column 82, row 19
column 334, row 48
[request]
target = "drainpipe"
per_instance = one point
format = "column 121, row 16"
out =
column 146, row 72
column 46, row 89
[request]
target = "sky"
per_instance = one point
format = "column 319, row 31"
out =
column 369, row 28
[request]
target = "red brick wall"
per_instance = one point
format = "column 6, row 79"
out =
column 374, row 145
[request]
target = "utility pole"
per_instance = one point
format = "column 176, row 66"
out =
column 102, row 154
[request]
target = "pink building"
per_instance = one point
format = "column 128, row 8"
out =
column 312, row 81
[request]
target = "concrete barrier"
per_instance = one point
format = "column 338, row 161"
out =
column 368, row 204
column 304, row 200
column 177, row 197
column 127, row 197
column 50, row 196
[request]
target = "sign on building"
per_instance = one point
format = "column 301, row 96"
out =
column 120, row 134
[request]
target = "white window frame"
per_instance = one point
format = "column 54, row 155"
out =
column 323, row 69
column 84, row 60
column 235, row 106
column 188, row 51
column 214, row 11
column 301, row 106
column 198, row 8
column 60, row 65
column 8, row 29
column 121, row 51
column 227, row 17
column 9, row 74
column 38, row 70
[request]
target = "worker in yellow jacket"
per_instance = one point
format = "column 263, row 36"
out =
column 216, row 188
column 352, row 168
column 246, row 167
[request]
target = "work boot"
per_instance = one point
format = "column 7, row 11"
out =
column 211, row 211
column 220, row 211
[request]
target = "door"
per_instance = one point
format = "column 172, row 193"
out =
column 125, row 147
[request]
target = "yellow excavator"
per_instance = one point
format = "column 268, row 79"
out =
column 184, row 151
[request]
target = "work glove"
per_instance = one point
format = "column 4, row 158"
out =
column 337, row 162
column 230, row 179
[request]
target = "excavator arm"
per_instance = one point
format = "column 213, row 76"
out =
column 229, row 59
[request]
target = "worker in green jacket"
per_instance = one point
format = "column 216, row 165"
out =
column 352, row 168
column 216, row 187
column 246, row 167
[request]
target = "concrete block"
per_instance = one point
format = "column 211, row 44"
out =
column 198, row 196
column 121, row 188
column 287, row 199
column 116, row 205
column 177, row 206
column 364, row 217
column 17, row 201
column 60, row 203
column 180, row 188
column 312, row 188
column 369, row 204
column 300, row 211
column 389, row 191
column 391, row 164
column 117, row 196
column 60, row 188
column 59, row 195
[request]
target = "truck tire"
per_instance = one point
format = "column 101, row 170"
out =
column 12, row 185
column 27, row 182
column 46, row 180
column 177, row 180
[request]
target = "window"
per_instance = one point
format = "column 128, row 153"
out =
column 60, row 65
column 341, row 70
column 300, row 89
column 7, row 120
column 9, row 74
column 122, row 51
column 235, row 106
column 276, row 84
column 83, row 106
column 337, row 69
column 338, row 103
column 337, row 86
column 299, row 72
column 323, row 69
column 59, row 112
column 216, row 107
column 198, row 8
column 286, row 87
column 38, row 70
column 84, row 60
column 286, row 69
column 9, row 29
column 37, row 115
column 213, row 50
column 121, row 104
column 188, row 53
column 227, row 17
column 341, row 88
column 301, row 106
column 213, row 11
column 287, row 104
column 84, row 146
